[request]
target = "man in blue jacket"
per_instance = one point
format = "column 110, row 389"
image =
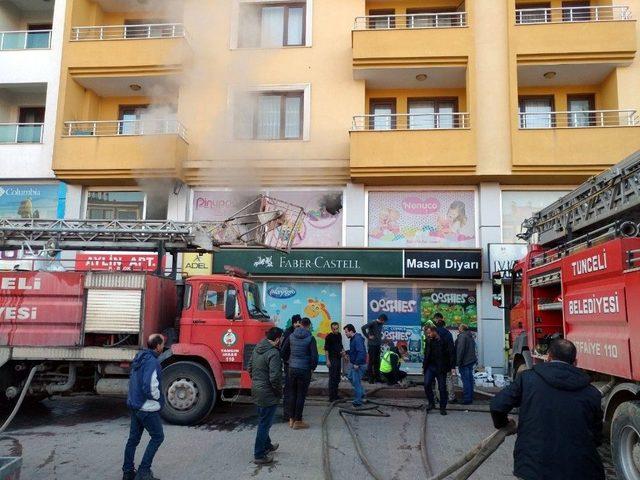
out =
column 358, row 360
column 145, row 401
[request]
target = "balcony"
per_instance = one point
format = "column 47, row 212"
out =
column 121, row 151
column 585, row 142
column 25, row 40
column 421, row 40
column 14, row 133
column 127, row 46
column 410, row 146
column 575, row 34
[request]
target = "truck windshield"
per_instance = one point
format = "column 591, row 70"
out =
column 254, row 302
column 517, row 287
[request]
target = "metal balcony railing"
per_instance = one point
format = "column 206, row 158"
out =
column 125, row 128
column 573, row 14
column 128, row 32
column 25, row 40
column 21, row 132
column 415, row 20
column 412, row 121
column 582, row 119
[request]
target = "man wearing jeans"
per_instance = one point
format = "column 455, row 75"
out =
column 265, row 368
column 145, row 401
column 465, row 359
column 358, row 360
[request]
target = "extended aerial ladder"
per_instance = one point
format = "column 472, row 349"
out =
column 607, row 202
column 266, row 222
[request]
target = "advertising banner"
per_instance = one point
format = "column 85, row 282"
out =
column 517, row 206
column 422, row 219
column 457, row 305
column 320, row 302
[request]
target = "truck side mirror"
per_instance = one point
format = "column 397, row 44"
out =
column 230, row 305
column 496, row 290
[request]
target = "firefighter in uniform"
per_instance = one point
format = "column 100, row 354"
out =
column 390, row 363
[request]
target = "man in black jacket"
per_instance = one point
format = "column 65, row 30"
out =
column 560, row 419
column 286, row 390
column 436, row 363
column 372, row 331
column 333, row 351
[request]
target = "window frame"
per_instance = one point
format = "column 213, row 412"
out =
column 383, row 101
column 113, row 190
column 521, row 101
column 436, row 109
column 283, row 114
column 261, row 5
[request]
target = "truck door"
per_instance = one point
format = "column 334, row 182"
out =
column 210, row 327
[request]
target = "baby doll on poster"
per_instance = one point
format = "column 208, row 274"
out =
column 449, row 226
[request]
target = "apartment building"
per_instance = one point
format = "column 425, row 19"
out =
column 416, row 134
column 30, row 57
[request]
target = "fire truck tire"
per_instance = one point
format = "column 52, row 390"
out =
column 625, row 440
column 189, row 393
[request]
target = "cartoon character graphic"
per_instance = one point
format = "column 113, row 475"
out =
column 450, row 225
column 387, row 223
column 314, row 309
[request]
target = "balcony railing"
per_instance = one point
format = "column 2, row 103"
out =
column 125, row 128
column 573, row 14
column 25, row 40
column 128, row 32
column 415, row 20
column 412, row 121
column 583, row 119
column 21, row 132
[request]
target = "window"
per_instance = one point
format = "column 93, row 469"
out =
column 272, row 25
column 129, row 115
column 576, row 11
column 39, row 35
column 537, row 112
column 254, row 302
column 113, row 205
column 533, row 13
column 380, row 19
column 270, row 116
column 212, row 297
column 425, row 18
column 581, row 110
column 426, row 113
column 516, row 289
column 382, row 113
column 30, row 128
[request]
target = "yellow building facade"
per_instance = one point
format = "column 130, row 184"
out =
column 437, row 123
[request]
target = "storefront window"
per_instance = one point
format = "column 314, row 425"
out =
column 112, row 205
column 422, row 219
column 517, row 206
column 321, row 302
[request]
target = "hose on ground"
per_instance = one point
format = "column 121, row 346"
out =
column 23, row 394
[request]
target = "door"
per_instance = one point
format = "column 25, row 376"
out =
column 382, row 114
column 39, row 35
column 130, row 116
column 31, row 120
column 576, row 11
column 147, row 29
column 382, row 18
column 432, row 18
column 581, row 110
column 536, row 112
column 421, row 114
column 210, row 327
column 533, row 13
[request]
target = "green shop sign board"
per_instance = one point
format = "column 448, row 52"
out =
column 318, row 263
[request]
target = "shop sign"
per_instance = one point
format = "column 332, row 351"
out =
column 318, row 263
column 196, row 263
column 503, row 256
column 457, row 264
column 117, row 262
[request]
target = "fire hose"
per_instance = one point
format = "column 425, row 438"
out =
column 23, row 394
column 467, row 465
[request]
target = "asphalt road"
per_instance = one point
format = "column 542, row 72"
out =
column 83, row 438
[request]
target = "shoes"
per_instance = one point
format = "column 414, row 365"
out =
column 356, row 404
column 443, row 411
column 129, row 475
column 268, row 458
column 372, row 382
column 291, row 422
column 300, row 425
column 453, row 400
column 285, row 419
column 148, row 475
column 430, row 407
column 335, row 399
column 273, row 447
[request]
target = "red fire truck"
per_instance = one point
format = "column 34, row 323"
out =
column 83, row 328
column 581, row 280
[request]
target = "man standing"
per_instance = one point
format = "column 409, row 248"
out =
column 145, row 401
column 446, row 336
column 560, row 419
column 265, row 368
column 373, row 332
column 437, row 359
column 390, row 363
column 286, row 397
column 358, row 360
column 465, row 360
column 333, row 352
column 302, row 351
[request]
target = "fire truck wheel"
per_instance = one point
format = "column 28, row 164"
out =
column 189, row 393
column 625, row 440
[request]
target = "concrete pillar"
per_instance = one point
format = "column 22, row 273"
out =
column 354, row 210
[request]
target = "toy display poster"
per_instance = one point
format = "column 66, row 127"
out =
column 422, row 219
column 517, row 206
column 320, row 302
column 457, row 305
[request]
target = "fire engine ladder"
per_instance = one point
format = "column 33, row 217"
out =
column 265, row 222
column 606, row 202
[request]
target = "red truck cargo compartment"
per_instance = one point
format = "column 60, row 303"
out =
column 41, row 308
